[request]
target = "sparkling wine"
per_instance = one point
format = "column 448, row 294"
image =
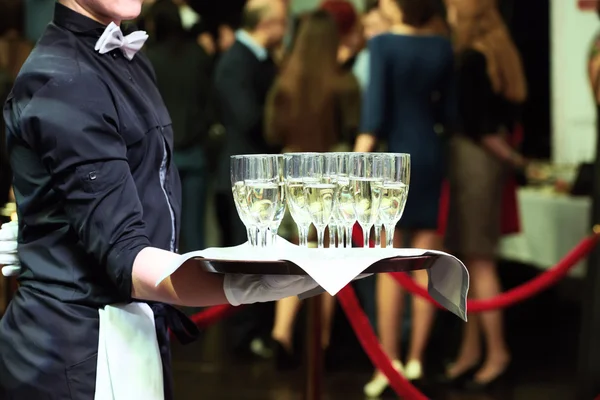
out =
column 393, row 200
column 294, row 191
column 345, row 202
column 367, row 199
column 320, row 198
column 280, row 207
column 240, row 200
column 263, row 200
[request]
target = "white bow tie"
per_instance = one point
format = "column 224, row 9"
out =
column 113, row 38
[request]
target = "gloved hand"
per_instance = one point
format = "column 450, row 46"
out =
column 248, row 289
column 9, row 259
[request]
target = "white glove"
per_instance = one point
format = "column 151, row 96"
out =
column 9, row 260
column 248, row 289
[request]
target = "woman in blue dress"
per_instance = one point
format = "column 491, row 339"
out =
column 409, row 95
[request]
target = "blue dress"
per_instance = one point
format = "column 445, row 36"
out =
column 410, row 97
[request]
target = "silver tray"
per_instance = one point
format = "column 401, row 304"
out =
column 396, row 264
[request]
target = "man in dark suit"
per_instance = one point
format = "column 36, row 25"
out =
column 243, row 77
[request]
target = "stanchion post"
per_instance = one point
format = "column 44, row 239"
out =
column 314, row 353
column 589, row 352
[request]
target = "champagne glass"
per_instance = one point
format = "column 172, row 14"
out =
column 394, row 192
column 262, row 191
column 280, row 210
column 387, row 166
column 240, row 198
column 377, row 228
column 319, row 191
column 333, row 161
column 345, row 198
column 294, row 169
column 366, row 179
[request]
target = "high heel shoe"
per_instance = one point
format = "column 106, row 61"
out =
column 376, row 386
column 413, row 370
column 459, row 380
column 285, row 360
column 474, row 385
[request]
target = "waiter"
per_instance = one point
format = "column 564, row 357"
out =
column 90, row 143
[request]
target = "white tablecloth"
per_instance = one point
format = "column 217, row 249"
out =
column 551, row 225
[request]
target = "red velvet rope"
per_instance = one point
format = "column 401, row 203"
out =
column 213, row 315
column 514, row 295
column 367, row 338
column 521, row 292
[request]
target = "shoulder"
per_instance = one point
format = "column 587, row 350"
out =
column 54, row 66
column 236, row 53
column 379, row 41
column 237, row 63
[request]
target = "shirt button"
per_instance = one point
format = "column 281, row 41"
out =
column 130, row 78
column 113, row 54
column 92, row 176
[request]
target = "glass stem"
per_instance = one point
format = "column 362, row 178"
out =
column 303, row 235
column 378, row 236
column 389, row 235
column 321, row 238
column 332, row 230
column 366, row 234
column 264, row 237
column 251, row 236
column 273, row 235
column 340, row 233
column 349, row 236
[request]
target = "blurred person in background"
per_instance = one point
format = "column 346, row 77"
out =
column 243, row 76
column 311, row 108
column 492, row 87
column 409, row 65
column 14, row 50
column 38, row 14
column 14, row 47
column 374, row 23
column 349, row 29
column 183, row 73
column 594, row 64
column 226, row 37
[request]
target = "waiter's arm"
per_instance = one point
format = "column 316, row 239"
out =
column 73, row 125
column 188, row 286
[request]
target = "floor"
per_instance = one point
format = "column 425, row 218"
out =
column 542, row 333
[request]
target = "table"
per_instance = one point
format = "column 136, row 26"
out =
column 551, row 225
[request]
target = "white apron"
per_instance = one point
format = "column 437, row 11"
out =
column 129, row 363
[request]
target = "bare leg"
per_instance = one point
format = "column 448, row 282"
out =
column 390, row 302
column 423, row 311
column 328, row 303
column 470, row 349
column 286, row 311
column 486, row 284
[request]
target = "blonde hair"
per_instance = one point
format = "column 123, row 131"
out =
column 479, row 26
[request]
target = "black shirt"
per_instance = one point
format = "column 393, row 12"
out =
column 90, row 144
